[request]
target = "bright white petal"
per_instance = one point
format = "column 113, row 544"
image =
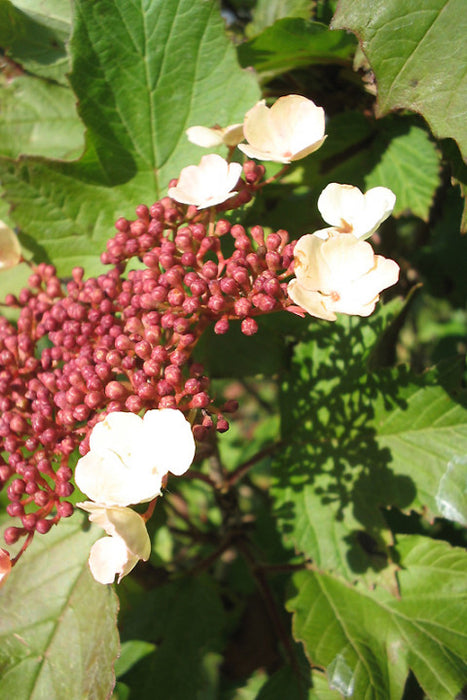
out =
column 110, row 557
column 106, row 479
column 118, row 432
column 169, row 437
column 204, row 137
column 312, row 302
column 208, row 183
column 379, row 203
column 299, row 122
column 338, row 203
column 347, row 259
column 291, row 129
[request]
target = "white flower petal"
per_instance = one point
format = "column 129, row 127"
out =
column 215, row 136
column 170, row 434
column 127, row 544
column 108, row 558
column 291, row 129
column 311, row 301
column 339, row 274
column 208, row 183
column 105, row 478
column 204, row 136
column 346, row 208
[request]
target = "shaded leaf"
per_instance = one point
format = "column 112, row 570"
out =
column 293, row 43
column 418, row 54
column 368, row 641
column 57, row 625
column 409, row 165
column 357, row 442
column 185, row 620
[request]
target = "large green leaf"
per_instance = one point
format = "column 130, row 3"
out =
column 368, row 640
column 418, row 53
column 58, row 635
column 138, row 89
column 293, row 43
column 357, row 442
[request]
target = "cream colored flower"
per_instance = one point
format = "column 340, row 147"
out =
column 129, row 456
column 289, row 130
column 10, row 249
column 348, row 210
column 5, row 566
column 339, row 275
column 216, row 135
column 128, row 542
column 207, row 184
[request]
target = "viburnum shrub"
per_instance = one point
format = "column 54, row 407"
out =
column 233, row 416
column 106, row 364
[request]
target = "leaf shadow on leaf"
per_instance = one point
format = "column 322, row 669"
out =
column 332, row 473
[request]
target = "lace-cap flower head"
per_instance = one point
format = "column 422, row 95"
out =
column 216, row 135
column 128, row 542
column 289, row 130
column 207, row 184
column 339, row 275
column 5, row 566
column 129, row 456
column 348, row 210
column 10, row 249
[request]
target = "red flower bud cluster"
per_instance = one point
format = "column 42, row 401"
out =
column 123, row 341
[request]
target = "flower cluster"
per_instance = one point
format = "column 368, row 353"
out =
column 104, row 365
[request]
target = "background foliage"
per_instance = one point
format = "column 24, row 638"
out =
column 332, row 562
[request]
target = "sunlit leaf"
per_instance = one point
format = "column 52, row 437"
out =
column 368, row 640
column 418, row 54
column 58, row 630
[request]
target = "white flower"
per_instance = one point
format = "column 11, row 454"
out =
column 5, row 566
column 129, row 456
column 10, row 249
column 339, row 275
column 291, row 129
column 215, row 136
column 128, row 542
column 207, row 184
column 348, row 210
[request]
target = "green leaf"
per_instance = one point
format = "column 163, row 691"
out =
column 58, row 630
column 35, row 36
column 409, row 165
column 418, row 54
column 294, row 43
column 131, row 652
column 368, row 640
column 39, row 118
column 266, row 12
column 358, row 442
column 185, row 618
column 137, row 96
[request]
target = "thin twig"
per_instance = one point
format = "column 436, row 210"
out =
column 240, row 471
